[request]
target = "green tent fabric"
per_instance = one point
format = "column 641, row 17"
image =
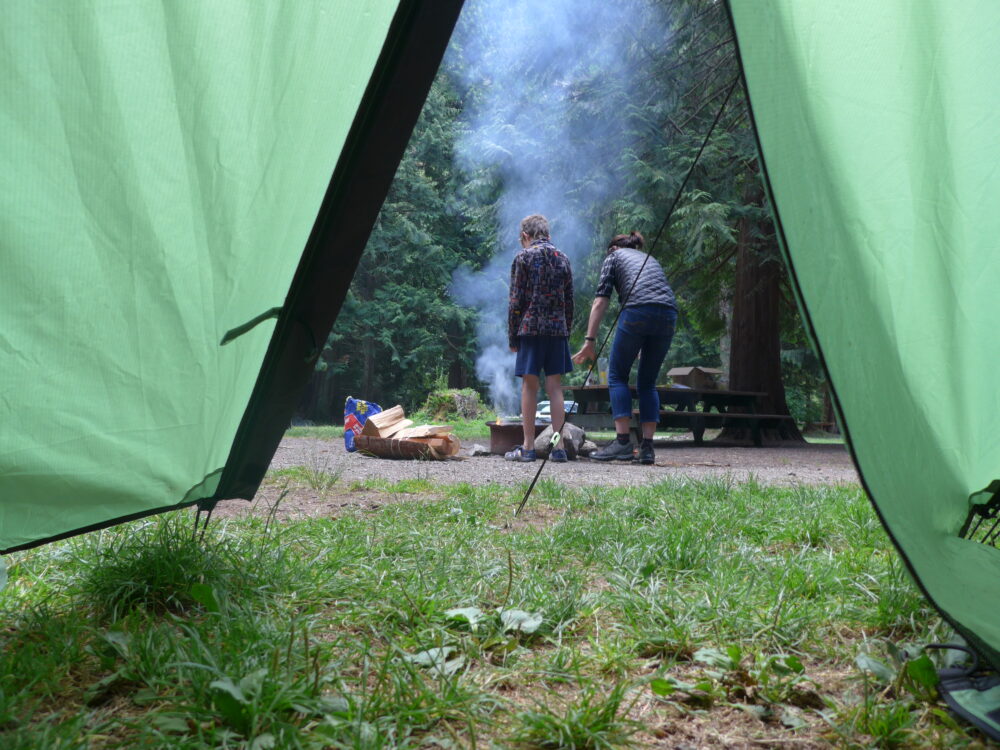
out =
column 877, row 124
column 172, row 172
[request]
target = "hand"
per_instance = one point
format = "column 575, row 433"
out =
column 513, row 349
column 587, row 352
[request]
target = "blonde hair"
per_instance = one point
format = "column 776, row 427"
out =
column 535, row 226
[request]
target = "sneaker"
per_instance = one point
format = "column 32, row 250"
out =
column 646, row 455
column 613, row 451
column 520, row 454
column 558, row 455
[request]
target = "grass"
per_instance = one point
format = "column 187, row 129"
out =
column 464, row 429
column 711, row 613
column 825, row 439
column 476, row 430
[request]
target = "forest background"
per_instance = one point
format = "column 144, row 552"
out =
column 591, row 115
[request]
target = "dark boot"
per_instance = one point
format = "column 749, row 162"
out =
column 646, row 455
column 614, row 451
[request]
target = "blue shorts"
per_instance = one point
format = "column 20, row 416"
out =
column 538, row 353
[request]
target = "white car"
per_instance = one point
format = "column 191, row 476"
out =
column 544, row 411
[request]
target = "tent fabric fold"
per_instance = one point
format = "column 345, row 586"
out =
column 171, row 170
column 164, row 168
column 877, row 129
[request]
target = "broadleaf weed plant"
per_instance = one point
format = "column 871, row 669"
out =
column 615, row 606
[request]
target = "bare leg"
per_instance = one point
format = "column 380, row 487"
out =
column 553, row 387
column 529, row 400
column 623, row 425
column 648, row 429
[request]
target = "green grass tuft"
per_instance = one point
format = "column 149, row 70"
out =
column 431, row 622
column 591, row 722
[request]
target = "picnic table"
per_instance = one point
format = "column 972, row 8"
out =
column 695, row 409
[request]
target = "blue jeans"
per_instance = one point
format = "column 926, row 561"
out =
column 646, row 330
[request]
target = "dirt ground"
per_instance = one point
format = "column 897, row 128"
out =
column 312, row 492
column 784, row 464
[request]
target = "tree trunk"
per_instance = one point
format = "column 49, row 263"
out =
column 368, row 373
column 726, row 340
column 755, row 355
column 457, row 375
column 319, row 403
column 307, row 407
column 829, row 417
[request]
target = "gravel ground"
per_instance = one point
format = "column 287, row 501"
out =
column 789, row 464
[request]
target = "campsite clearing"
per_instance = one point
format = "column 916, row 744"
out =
column 318, row 477
column 685, row 614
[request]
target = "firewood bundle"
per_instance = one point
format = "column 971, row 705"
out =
column 390, row 434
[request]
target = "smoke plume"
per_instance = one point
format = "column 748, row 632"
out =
column 546, row 107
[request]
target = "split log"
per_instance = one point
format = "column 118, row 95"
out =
column 432, row 448
column 387, row 423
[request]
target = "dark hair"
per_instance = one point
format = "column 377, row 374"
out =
column 633, row 240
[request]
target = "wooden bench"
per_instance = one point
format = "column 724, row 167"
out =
column 699, row 421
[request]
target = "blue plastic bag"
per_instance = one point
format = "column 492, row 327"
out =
column 356, row 413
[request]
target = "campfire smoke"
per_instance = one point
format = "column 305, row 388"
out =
column 548, row 124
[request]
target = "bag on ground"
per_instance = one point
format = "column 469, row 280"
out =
column 356, row 413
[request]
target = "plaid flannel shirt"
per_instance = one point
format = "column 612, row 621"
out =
column 541, row 293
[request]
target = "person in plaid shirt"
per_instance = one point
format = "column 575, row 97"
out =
column 538, row 322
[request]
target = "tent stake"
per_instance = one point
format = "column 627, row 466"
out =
column 202, row 508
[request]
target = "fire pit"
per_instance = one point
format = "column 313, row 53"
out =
column 505, row 435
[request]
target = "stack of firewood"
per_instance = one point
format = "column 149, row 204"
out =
column 389, row 434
